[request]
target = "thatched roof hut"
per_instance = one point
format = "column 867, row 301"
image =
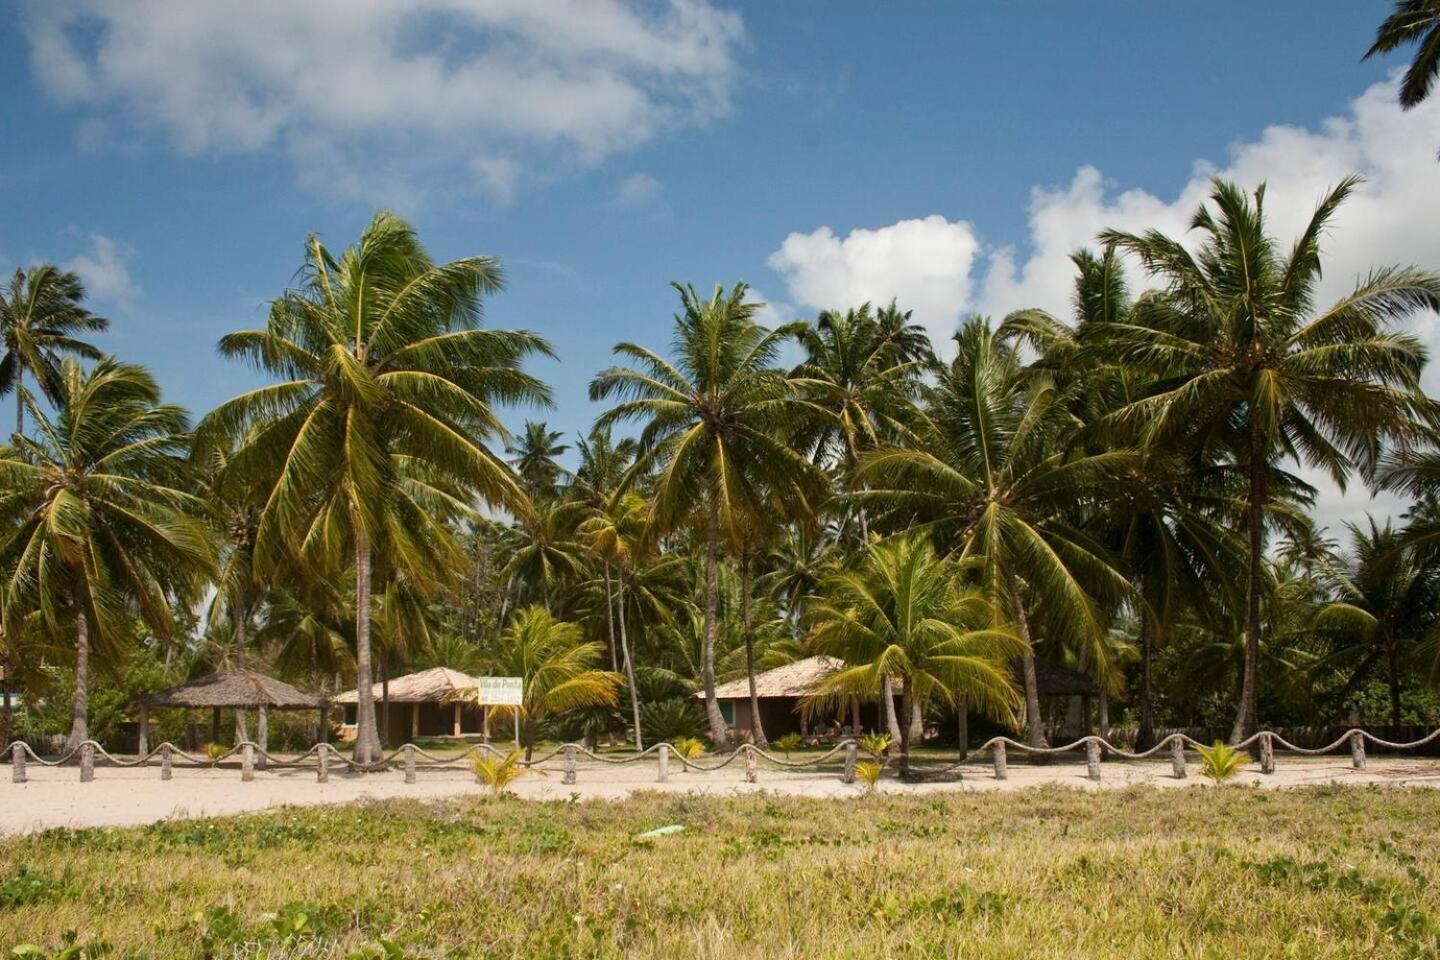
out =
column 436, row 685
column 434, row 709
column 239, row 689
column 791, row 680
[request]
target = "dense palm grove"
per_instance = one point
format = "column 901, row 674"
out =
column 1117, row 491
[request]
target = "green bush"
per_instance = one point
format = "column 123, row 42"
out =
column 671, row 719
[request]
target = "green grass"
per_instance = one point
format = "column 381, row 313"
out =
column 1052, row 872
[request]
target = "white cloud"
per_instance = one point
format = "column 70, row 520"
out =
column 639, row 190
column 383, row 90
column 105, row 272
column 925, row 264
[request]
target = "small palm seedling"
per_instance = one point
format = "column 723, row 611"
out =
column 214, row 751
column 689, row 747
column 868, row 773
column 875, row 744
column 498, row 773
column 1221, row 762
column 787, row 743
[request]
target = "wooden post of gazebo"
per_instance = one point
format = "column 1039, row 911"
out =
column 262, row 733
column 455, row 727
column 414, row 722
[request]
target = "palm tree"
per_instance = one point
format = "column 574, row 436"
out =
column 533, row 457
column 715, row 420
column 558, row 667
column 107, row 530
column 40, row 317
column 992, row 477
column 1386, row 609
column 1246, row 369
column 615, row 533
column 378, row 428
column 903, row 615
column 1414, row 21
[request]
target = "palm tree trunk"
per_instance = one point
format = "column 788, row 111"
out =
column 887, row 706
column 906, row 706
column 917, row 720
column 1145, row 733
column 757, row 729
column 19, row 401
column 367, row 734
column 1246, row 716
column 80, row 714
column 962, row 724
column 241, row 733
column 610, row 618
column 1033, row 724
column 629, row 665
column 719, row 733
column 855, row 730
column 1394, row 686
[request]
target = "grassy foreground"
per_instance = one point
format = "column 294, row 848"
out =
column 1049, row 872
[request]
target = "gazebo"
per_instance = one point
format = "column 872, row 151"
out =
column 231, row 689
column 432, row 698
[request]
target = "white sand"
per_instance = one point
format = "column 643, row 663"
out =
column 54, row 797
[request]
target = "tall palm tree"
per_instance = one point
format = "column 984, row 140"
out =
column 1247, row 369
column 533, row 456
column 558, row 667
column 615, row 533
column 903, row 615
column 992, row 476
column 715, row 422
column 107, row 528
column 41, row 316
column 1414, row 21
column 380, row 423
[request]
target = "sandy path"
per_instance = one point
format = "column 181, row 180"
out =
column 54, row 797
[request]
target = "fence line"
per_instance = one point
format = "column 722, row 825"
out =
column 411, row 758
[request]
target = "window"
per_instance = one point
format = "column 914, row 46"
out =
column 727, row 710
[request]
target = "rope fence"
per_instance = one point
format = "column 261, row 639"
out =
column 413, row 759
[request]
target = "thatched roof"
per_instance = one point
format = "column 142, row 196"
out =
column 792, row 680
column 799, row 678
column 234, row 688
column 427, row 686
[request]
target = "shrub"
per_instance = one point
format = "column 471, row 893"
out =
column 1221, row 762
column 671, row 720
column 787, row 743
column 875, row 744
column 498, row 773
column 868, row 773
column 214, row 751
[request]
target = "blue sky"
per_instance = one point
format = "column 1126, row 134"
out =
column 178, row 154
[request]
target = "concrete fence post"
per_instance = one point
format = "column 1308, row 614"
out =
column 1177, row 756
column 569, row 777
column 1267, row 754
column 664, row 763
column 997, row 757
column 849, row 775
column 17, row 762
column 87, row 762
column 322, row 772
column 1092, row 760
column 1357, row 750
column 247, row 763
column 751, row 772
column 409, row 763
column 165, row 761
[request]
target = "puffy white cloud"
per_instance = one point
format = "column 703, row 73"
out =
column 639, row 190
column 105, row 271
column 925, row 264
column 380, row 89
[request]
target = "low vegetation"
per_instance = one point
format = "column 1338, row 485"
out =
column 1233, row 873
